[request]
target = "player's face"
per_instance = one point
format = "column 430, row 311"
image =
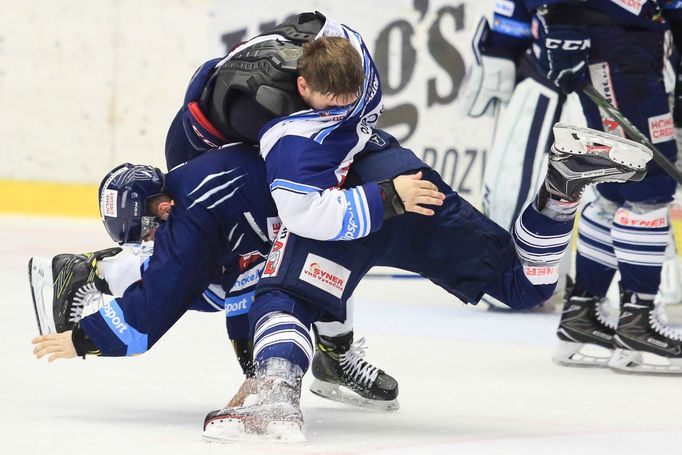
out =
column 320, row 101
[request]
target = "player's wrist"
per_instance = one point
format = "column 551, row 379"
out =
column 82, row 342
column 393, row 204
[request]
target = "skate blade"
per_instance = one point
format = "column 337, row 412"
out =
column 42, row 292
column 626, row 361
column 341, row 394
column 234, row 430
column 576, row 140
column 570, row 354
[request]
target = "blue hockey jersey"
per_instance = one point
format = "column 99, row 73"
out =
column 217, row 233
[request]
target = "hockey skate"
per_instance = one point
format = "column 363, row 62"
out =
column 63, row 287
column 341, row 374
column 585, row 334
column 582, row 156
column 273, row 413
column 644, row 343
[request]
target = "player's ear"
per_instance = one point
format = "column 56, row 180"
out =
column 164, row 209
column 302, row 85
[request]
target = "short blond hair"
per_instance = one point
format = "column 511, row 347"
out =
column 331, row 66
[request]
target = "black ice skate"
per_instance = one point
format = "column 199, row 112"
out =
column 582, row 156
column 585, row 334
column 272, row 414
column 62, row 287
column 644, row 343
column 341, row 374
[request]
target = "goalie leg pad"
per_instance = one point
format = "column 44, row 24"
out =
column 516, row 165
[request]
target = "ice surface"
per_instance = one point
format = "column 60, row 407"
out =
column 471, row 382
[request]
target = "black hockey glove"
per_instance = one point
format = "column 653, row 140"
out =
column 82, row 342
column 561, row 51
column 393, row 205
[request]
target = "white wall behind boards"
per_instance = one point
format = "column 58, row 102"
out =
column 86, row 85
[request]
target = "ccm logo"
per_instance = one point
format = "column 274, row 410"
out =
column 567, row 44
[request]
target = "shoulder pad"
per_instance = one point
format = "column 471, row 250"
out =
column 266, row 72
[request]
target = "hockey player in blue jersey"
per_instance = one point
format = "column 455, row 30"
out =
column 208, row 219
column 618, row 46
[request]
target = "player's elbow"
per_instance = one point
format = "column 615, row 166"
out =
column 306, row 227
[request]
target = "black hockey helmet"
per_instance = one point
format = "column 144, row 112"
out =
column 123, row 196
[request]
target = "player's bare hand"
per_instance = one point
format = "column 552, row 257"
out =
column 415, row 192
column 54, row 345
column 247, row 388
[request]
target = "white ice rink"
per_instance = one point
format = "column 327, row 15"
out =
column 471, row 382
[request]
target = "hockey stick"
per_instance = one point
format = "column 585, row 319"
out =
column 633, row 132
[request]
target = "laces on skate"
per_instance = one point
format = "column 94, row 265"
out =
column 353, row 363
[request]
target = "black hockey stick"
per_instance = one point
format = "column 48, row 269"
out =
column 633, row 132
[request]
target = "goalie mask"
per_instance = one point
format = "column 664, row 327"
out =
column 123, row 196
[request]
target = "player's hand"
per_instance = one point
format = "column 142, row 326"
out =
column 563, row 56
column 56, row 345
column 247, row 388
column 415, row 192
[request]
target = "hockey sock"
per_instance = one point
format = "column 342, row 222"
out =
column 540, row 243
column 596, row 262
column 282, row 335
column 640, row 238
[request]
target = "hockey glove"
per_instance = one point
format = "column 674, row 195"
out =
column 490, row 80
column 562, row 54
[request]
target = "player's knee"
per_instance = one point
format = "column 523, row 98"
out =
column 530, row 297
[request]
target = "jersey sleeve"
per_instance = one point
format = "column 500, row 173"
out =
column 182, row 266
column 303, row 177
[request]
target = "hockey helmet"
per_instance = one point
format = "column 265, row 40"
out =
column 123, row 196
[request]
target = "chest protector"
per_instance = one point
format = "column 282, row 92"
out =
column 265, row 72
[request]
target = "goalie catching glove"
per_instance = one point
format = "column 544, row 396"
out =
column 490, row 80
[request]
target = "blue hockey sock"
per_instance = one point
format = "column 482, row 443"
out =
column 596, row 261
column 639, row 241
column 540, row 244
column 282, row 335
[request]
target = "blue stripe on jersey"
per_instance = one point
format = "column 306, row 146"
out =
column 319, row 137
column 354, row 223
column 511, row 27
column 293, row 186
column 213, row 298
column 145, row 265
column 134, row 340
